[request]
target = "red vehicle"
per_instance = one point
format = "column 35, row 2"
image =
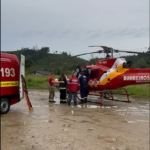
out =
column 10, row 80
column 111, row 74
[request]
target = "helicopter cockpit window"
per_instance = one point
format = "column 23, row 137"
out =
column 127, row 65
column 94, row 73
column 77, row 71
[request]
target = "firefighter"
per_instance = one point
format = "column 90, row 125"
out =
column 86, row 73
column 73, row 87
column 51, row 88
column 62, row 88
column 83, row 88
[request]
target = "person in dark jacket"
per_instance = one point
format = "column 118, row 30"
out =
column 83, row 87
column 62, row 88
column 86, row 73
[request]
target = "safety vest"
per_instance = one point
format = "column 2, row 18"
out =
column 62, row 83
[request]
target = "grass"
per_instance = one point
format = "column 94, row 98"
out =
column 37, row 82
column 41, row 82
column 138, row 90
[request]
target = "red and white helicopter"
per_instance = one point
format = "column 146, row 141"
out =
column 112, row 74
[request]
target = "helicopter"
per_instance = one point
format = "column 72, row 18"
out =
column 111, row 74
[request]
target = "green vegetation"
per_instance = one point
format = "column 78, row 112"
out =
column 41, row 82
column 37, row 82
column 138, row 90
column 43, row 60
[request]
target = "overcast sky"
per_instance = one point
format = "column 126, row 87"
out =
column 73, row 25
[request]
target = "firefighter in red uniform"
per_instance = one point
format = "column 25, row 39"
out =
column 51, row 88
column 73, row 87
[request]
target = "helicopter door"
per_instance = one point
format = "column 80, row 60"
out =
column 77, row 71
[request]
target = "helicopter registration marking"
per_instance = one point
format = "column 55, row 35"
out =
column 102, row 62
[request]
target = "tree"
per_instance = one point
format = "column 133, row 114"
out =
column 28, row 62
column 142, row 64
column 43, row 52
column 45, row 49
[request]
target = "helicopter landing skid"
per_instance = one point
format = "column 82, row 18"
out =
column 109, row 96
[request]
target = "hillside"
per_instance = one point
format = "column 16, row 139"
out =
column 43, row 60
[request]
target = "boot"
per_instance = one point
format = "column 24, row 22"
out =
column 75, row 103
column 51, row 101
column 81, row 102
column 85, row 100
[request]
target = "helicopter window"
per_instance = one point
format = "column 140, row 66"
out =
column 124, row 65
column 127, row 65
column 94, row 73
column 89, row 70
column 105, row 72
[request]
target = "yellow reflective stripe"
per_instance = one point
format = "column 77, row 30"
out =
column 62, row 88
column 61, row 81
column 9, row 83
column 63, row 100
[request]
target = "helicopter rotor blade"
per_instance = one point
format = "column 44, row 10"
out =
column 128, row 51
column 104, row 47
column 99, row 51
column 110, row 50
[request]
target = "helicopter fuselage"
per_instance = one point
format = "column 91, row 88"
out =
column 112, row 74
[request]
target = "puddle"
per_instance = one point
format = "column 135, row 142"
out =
column 72, row 112
column 36, row 106
column 65, row 129
column 122, row 114
column 57, row 100
column 144, row 106
column 131, row 121
column 145, row 110
column 92, row 106
column 44, row 120
column 142, row 114
column 121, row 110
column 107, row 107
column 90, row 129
column 142, row 121
column 115, row 106
column 132, row 108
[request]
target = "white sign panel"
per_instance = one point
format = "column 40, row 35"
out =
column 22, row 72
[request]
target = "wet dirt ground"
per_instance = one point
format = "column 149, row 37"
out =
column 113, row 126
